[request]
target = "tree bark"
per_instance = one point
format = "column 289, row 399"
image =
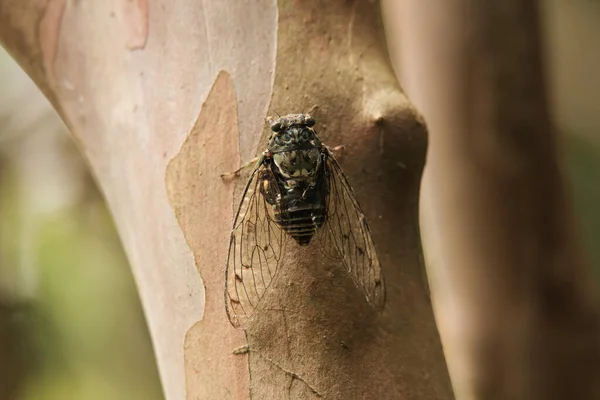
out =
column 162, row 97
column 515, row 301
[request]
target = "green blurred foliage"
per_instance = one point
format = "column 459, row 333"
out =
column 582, row 162
column 86, row 335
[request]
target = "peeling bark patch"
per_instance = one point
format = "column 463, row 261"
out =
column 133, row 14
column 203, row 205
column 49, row 35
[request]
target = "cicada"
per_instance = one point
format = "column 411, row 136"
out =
column 297, row 190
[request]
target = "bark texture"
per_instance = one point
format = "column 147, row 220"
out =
column 162, row 98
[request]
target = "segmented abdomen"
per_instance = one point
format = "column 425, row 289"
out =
column 301, row 224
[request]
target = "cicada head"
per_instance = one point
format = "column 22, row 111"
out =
column 295, row 146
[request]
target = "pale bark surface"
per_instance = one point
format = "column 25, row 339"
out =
column 162, row 98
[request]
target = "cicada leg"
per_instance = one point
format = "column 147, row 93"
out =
column 336, row 152
column 256, row 161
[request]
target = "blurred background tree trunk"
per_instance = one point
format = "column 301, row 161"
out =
column 516, row 300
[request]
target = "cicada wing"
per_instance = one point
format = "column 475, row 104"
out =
column 346, row 235
column 255, row 250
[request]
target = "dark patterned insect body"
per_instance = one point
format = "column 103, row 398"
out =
column 296, row 190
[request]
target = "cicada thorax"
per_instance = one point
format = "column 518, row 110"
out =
column 299, row 187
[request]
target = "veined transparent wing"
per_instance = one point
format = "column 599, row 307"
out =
column 346, row 235
column 255, row 249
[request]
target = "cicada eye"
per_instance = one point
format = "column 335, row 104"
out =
column 309, row 121
column 276, row 127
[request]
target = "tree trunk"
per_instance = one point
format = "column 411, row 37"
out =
column 162, row 98
column 515, row 300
